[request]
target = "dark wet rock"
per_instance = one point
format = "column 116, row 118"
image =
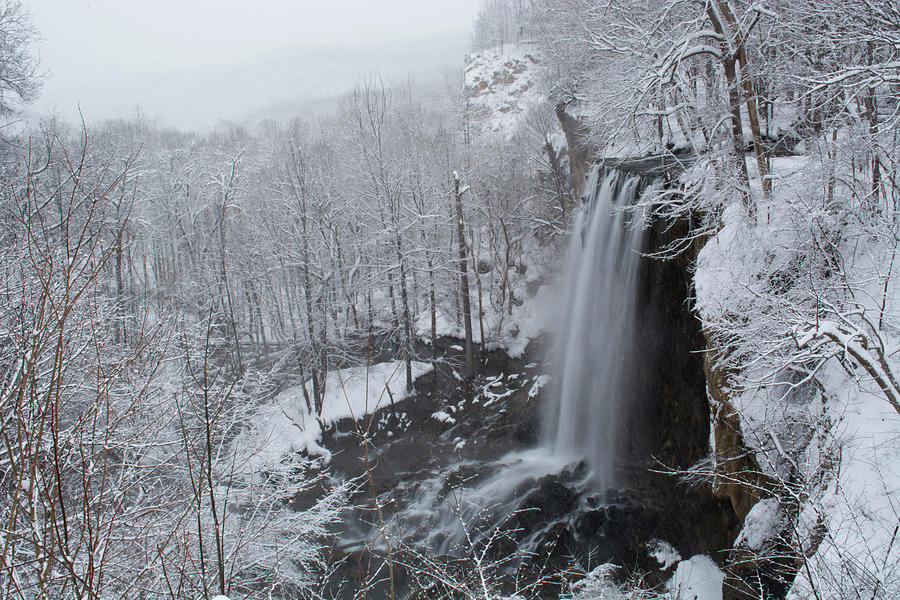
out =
column 550, row 501
column 665, row 166
column 464, row 475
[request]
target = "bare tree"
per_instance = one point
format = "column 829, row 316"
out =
column 19, row 80
column 464, row 275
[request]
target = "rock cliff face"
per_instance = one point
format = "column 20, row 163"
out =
column 500, row 88
column 733, row 463
column 671, row 412
column 671, row 407
column 682, row 414
column 580, row 150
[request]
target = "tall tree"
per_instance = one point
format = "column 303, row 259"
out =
column 464, row 275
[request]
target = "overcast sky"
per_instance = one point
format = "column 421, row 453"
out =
column 190, row 63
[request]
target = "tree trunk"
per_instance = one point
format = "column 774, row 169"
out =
column 871, row 104
column 395, row 319
column 120, row 294
column 404, row 299
column 464, row 279
column 314, row 343
column 227, row 288
column 478, row 288
column 431, row 298
column 753, row 115
column 743, row 80
column 729, row 65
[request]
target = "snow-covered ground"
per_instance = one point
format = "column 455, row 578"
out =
column 697, row 578
column 285, row 425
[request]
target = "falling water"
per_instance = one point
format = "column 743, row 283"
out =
column 599, row 326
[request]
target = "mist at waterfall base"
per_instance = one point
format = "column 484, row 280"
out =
column 590, row 375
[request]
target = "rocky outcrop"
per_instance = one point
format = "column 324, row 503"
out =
column 500, row 88
column 736, row 472
column 680, row 399
column 760, row 564
column 687, row 400
column 671, row 407
column 581, row 150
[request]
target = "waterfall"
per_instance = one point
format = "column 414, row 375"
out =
column 595, row 352
column 595, row 365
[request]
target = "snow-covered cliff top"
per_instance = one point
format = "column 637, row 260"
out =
column 501, row 86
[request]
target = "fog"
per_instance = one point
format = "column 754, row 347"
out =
column 193, row 64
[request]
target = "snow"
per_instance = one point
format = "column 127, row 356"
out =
column 598, row 584
column 734, row 267
column 285, row 426
column 443, row 417
column 511, row 333
column 497, row 388
column 528, row 321
column 697, row 578
column 858, row 508
column 761, row 525
column 664, row 553
column 539, row 382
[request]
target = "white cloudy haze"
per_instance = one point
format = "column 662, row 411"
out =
column 192, row 63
